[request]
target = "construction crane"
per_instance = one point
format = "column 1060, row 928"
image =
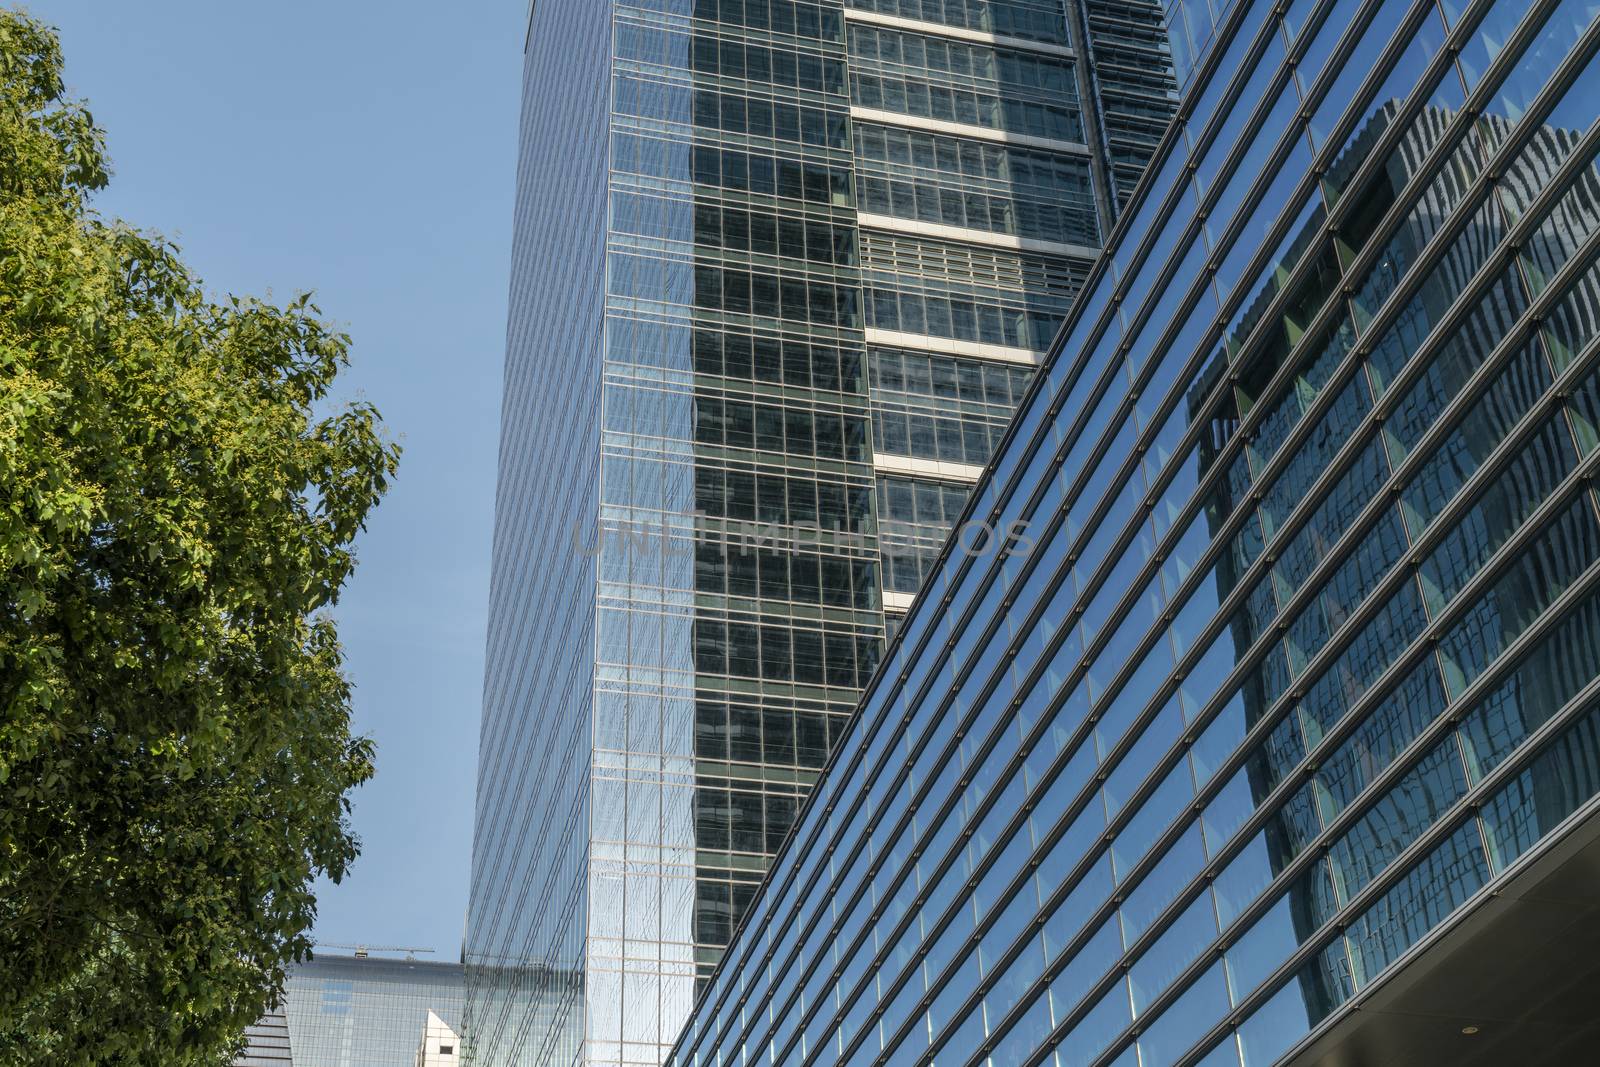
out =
column 362, row 950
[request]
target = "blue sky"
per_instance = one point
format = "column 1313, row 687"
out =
column 366, row 151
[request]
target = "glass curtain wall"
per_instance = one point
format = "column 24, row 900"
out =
column 526, row 933
column 1303, row 655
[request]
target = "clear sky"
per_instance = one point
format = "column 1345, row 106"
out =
column 365, row 150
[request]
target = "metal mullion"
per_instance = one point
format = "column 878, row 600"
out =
column 768, row 955
column 1349, row 119
column 1167, row 275
column 1092, row 524
column 1221, row 41
column 1196, row 501
column 1538, row 742
column 1172, row 329
column 1042, row 434
column 1559, row 499
column 1402, row 764
column 1262, row 258
column 1230, row 604
column 1017, row 947
column 845, row 1003
column 952, row 745
column 997, row 573
column 1469, row 803
column 1227, row 164
column 1355, row 714
column 1046, row 428
column 874, row 965
column 1219, row 466
column 877, row 680
column 986, row 865
column 1086, row 76
column 829, row 768
column 1215, row 475
column 1102, row 389
column 780, row 976
column 1191, row 436
column 1205, row 138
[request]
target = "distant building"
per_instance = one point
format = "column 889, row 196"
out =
column 362, row 1011
column 441, row 1045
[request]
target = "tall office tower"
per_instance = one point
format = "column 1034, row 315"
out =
column 1282, row 742
column 782, row 270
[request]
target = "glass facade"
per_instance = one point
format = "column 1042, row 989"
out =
column 1292, row 645
column 780, row 267
column 348, row 1011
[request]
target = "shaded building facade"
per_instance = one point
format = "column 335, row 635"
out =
column 782, row 270
column 1291, row 704
column 266, row 1042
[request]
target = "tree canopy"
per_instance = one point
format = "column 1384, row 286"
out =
column 178, row 501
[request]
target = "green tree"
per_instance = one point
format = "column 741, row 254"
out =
column 178, row 499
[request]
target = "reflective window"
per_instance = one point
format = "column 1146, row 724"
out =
column 1194, row 1012
column 1430, row 891
column 1563, row 549
column 1562, row 776
column 1397, row 818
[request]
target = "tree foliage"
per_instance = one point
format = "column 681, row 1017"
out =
column 178, row 500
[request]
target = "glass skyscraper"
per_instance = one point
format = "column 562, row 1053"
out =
column 782, row 270
column 1278, row 694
